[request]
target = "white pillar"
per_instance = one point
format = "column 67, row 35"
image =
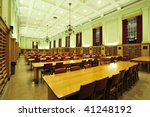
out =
column 146, row 28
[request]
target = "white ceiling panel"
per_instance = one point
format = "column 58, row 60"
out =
column 35, row 15
column 98, row 4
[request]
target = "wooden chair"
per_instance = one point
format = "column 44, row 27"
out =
column 137, row 70
column 47, row 70
column 60, row 70
column 73, row 68
column 37, row 59
column 128, row 78
column 89, row 61
column 112, row 88
column 87, row 66
column 83, row 63
column 59, row 65
column 119, row 58
column 112, row 59
column 121, row 81
column 134, row 74
column 86, row 92
column 100, row 89
column 95, row 63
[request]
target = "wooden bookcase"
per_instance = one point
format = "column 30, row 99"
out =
column 111, row 50
column 96, row 50
column 132, row 50
column 86, row 50
column 78, row 50
column 4, row 54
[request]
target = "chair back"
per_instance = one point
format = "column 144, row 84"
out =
column 114, row 80
column 130, row 70
column 122, row 75
column 37, row 59
column 86, row 91
column 48, row 66
column 90, row 61
column 59, row 65
column 95, row 63
column 119, row 58
column 101, row 85
column 83, row 62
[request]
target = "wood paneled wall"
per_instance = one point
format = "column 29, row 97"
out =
column 130, row 50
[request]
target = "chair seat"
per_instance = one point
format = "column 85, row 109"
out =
column 87, row 65
column 73, row 68
column 60, row 70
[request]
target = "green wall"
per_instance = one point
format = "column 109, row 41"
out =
column 112, row 28
column 26, row 43
column 9, row 12
column 5, row 11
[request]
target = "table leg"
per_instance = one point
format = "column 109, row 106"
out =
column 36, row 75
column 30, row 65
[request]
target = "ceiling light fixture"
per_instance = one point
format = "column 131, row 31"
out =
column 61, row 12
column 69, row 29
column 99, row 2
column 84, row 10
column 118, row 8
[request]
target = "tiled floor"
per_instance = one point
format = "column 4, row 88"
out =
column 21, row 87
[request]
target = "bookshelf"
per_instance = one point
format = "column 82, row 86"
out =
column 96, row 50
column 132, row 50
column 4, row 54
column 111, row 50
column 86, row 50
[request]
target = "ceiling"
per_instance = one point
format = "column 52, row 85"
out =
column 35, row 15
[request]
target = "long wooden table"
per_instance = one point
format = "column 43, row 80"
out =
column 39, row 65
column 30, row 61
column 63, row 85
column 143, row 59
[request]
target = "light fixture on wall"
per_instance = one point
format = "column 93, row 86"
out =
column 47, row 38
column 69, row 27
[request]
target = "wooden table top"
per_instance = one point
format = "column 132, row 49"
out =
column 68, row 83
column 142, row 59
column 108, row 57
column 32, row 59
column 41, row 64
